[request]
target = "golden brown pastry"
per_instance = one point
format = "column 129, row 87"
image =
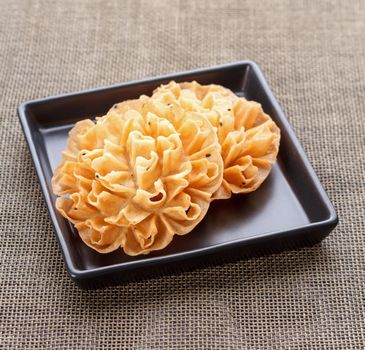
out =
column 139, row 175
column 248, row 136
column 149, row 168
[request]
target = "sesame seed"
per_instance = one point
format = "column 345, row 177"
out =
column 157, row 198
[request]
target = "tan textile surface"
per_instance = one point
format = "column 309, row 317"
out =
column 313, row 55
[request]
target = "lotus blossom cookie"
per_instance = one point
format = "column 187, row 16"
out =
column 248, row 136
column 136, row 177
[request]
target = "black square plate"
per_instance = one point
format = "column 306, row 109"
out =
column 290, row 210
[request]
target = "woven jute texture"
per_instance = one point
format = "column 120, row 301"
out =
column 313, row 55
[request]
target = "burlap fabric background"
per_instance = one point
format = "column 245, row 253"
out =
column 313, row 55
